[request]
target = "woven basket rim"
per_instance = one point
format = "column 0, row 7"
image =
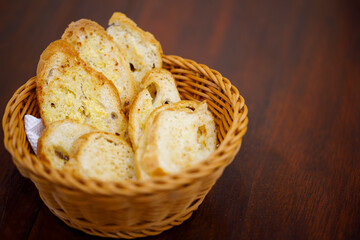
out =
column 238, row 128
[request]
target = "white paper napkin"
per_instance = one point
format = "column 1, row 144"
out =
column 33, row 129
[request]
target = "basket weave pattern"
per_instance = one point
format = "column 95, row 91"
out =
column 137, row 208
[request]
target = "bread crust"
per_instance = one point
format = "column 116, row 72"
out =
column 53, row 48
column 61, row 57
column 86, row 164
column 64, row 47
column 120, row 22
column 148, row 161
column 46, row 146
column 117, row 70
column 166, row 93
column 121, row 18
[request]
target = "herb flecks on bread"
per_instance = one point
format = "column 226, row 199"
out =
column 67, row 88
column 99, row 50
column 86, row 82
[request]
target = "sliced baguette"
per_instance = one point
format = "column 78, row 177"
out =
column 176, row 136
column 158, row 88
column 99, row 50
column 67, row 88
column 143, row 51
column 56, row 142
column 102, row 156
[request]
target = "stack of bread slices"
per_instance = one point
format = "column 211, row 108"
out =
column 111, row 112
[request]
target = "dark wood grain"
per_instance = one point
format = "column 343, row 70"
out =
column 297, row 64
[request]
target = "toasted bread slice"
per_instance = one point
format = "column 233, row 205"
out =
column 99, row 50
column 158, row 88
column 55, row 143
column 102, row 156
column 176, row 136
column 67, row 88
column 143, row 51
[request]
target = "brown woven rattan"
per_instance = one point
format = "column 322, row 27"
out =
column 132, row 209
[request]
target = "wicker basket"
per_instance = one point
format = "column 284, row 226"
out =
column 137, row 208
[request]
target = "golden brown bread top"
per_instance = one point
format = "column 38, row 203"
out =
column 99, row 50
column 65, row 48
column 67, row 88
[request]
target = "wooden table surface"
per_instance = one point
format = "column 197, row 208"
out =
column 297, row 64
